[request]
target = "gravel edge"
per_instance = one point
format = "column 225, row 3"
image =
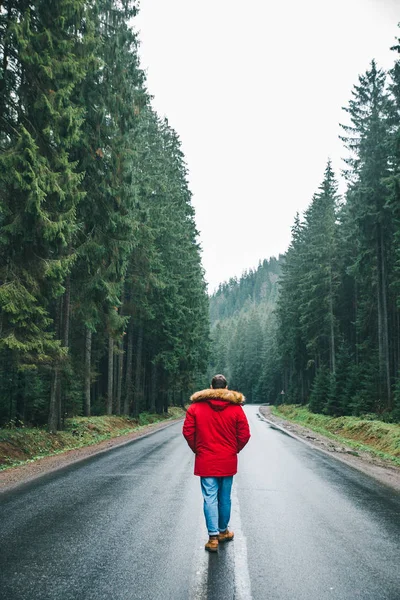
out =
column 15, row 476
column 371, row 465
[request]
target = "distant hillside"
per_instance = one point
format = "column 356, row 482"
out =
column 254, row 287
column 243, row 332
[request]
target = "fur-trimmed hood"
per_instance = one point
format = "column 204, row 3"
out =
column 228, row 396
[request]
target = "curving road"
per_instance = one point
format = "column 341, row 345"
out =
column 128, row 525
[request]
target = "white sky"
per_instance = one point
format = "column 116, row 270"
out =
column 254, row 89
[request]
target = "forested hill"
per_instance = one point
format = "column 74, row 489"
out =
column 243, row 330
column 254, row 287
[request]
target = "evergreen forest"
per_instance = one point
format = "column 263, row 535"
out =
column 327, row 333
column 103, row 304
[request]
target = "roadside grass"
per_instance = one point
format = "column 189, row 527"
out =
column 365, row 434
column 23, row 445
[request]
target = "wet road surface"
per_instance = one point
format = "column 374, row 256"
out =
column 128, row 525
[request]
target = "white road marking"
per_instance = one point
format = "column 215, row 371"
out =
column 201, row 558
column 199, row 588
column 242, row 575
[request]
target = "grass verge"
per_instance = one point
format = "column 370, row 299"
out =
column 370, row 435
column 23, row 445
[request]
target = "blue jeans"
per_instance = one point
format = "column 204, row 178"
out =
column 217, row 502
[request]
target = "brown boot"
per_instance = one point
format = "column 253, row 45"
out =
column 226, row 536
column 212, row 544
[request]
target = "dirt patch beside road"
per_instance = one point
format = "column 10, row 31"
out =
column 376, row 467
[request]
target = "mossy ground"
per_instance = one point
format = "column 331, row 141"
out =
column 379, row 438
column 21, row 445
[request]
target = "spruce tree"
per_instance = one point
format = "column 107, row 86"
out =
column 393, row 206
column 297, row 371
column 40, row 182
column 368, row 169
column 319, row 282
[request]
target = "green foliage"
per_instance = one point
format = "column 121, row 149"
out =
column 102, row 292
column 320, row 390
column 333, row 340
column 367, row 433
column 22, row 444
column 42, row 64
column 338, row 313
column 343, row 383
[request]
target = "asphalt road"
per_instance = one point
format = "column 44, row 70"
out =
column 128, row 525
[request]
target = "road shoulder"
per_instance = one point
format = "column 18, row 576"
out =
column 374, row 467
column 15, row 476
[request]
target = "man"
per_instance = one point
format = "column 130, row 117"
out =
column 216, row 429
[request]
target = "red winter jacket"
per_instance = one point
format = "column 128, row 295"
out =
column 216, row 429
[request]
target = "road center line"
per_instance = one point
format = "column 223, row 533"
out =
column 199, row 588
column 242, row 575
column 201, row 559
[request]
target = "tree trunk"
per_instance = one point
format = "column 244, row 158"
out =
column 160, row 394
column 383, row 350
column 53, row 417
column 153, row 388
column 119, row 366
column 110, row 374
column 356, row 328
column 166, row 398
column 115, row 378
column 144, row 388
column 128, row 379
column 120, row 373
column 137, row 404
column 20, row 400
column 66, row 313
column 385, row 326
column 10, row 370
column 59, row 402
column 65, row 304
column 302, row 386
column 332, row 327
column 397, row 357
column 379, row 308
column 88, row 357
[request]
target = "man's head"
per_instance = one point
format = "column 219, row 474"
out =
column 219, row 382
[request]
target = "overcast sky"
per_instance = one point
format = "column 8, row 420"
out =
column 255, row 89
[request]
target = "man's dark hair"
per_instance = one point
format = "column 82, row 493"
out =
column 218, row 382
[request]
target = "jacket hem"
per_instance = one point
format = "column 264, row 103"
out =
column 219, row 475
